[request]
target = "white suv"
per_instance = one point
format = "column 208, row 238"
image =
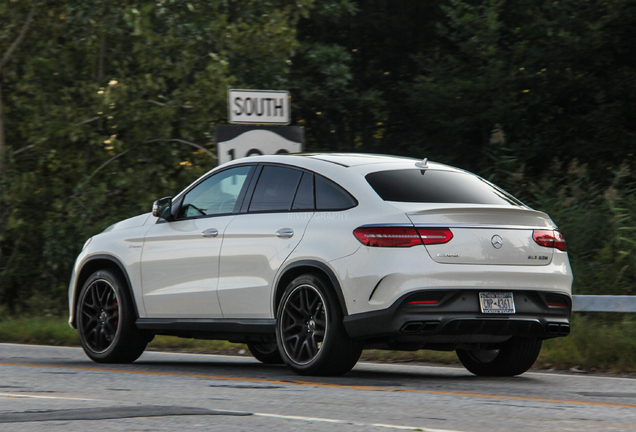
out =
column 311, row 258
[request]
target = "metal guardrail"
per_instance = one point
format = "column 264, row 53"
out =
column 603, row 303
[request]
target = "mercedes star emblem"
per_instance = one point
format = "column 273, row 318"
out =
column 497, row 242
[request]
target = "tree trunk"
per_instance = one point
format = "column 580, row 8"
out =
column 3, row 62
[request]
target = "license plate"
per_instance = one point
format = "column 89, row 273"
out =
column 497, row 302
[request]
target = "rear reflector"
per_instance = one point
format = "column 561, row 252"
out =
column 401, row 236
column 557, row 301
column 425, row 302
column 550, row 238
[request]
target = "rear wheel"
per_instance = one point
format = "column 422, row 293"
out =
column 266, row 352
column 514, row 357
column 106, row 321
column 309, row 330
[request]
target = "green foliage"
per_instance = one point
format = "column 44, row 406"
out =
column 348, row 73
column 555, row 77
column 111, row 105
column 596, row 344
column 44, row 330
column 538, row 97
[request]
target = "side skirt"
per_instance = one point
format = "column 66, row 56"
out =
column 244, row 330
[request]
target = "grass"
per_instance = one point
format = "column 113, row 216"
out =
column 597, row 344
column 46, row 330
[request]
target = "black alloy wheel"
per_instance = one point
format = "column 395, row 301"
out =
column 304, row 324
column 99, row 311
column 309, row 330
column 106, row 321
column 266, row 352
column 513, row 357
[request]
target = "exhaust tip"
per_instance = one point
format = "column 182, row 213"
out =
column 430, row 326
column 412, row 327
column 420, row 327
column 564, row 329
column 553, row 328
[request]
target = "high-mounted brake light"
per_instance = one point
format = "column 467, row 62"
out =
column 550, row 238
column 389, row 236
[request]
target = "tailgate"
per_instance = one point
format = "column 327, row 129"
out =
column 487, row 236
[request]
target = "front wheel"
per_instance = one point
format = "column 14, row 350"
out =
column 106, row 321
column 514, row 357
column 309, row 331
column 265, row 352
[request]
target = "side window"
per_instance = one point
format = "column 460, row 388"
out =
column 330, row 196
column 304, row 199
column 275, row 189
column 217, row 194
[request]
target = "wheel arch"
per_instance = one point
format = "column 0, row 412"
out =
column 93, row 264
column 298, row 268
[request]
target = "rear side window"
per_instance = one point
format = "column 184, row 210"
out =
column 305, row 194
column 432, row 186
column 275, row 189
column 330, row 196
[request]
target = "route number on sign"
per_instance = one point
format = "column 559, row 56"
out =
column 255, row 142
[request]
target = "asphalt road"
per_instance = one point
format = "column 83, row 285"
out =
column 58, row 389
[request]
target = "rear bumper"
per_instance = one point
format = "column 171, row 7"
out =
column 457, row 318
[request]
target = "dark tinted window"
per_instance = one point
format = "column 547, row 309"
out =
column 330, row 196
column 305, row 195
column 275, row 189
column 218, row 194
column 431, row 186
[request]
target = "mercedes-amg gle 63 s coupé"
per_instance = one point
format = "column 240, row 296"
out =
column 310, row 258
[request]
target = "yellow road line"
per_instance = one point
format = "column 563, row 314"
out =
column 327, row 385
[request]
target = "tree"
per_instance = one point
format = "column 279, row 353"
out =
column 4, row 61
column 348, row 73
column 114, row 105
column 553, row 76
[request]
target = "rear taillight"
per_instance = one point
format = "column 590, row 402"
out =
column 401, row 236
column 387, row 236
column 435, row 235
column 550, row 238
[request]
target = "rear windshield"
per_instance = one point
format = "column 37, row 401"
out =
column 432, row 186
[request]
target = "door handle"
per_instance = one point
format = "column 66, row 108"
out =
column 213, row 232
column 284, row 233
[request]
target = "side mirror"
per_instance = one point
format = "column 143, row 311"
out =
column 162, row 208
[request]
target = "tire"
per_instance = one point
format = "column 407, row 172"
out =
column 106, row 320
column 309, row 331
column 266, row 352
column 515, row 357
